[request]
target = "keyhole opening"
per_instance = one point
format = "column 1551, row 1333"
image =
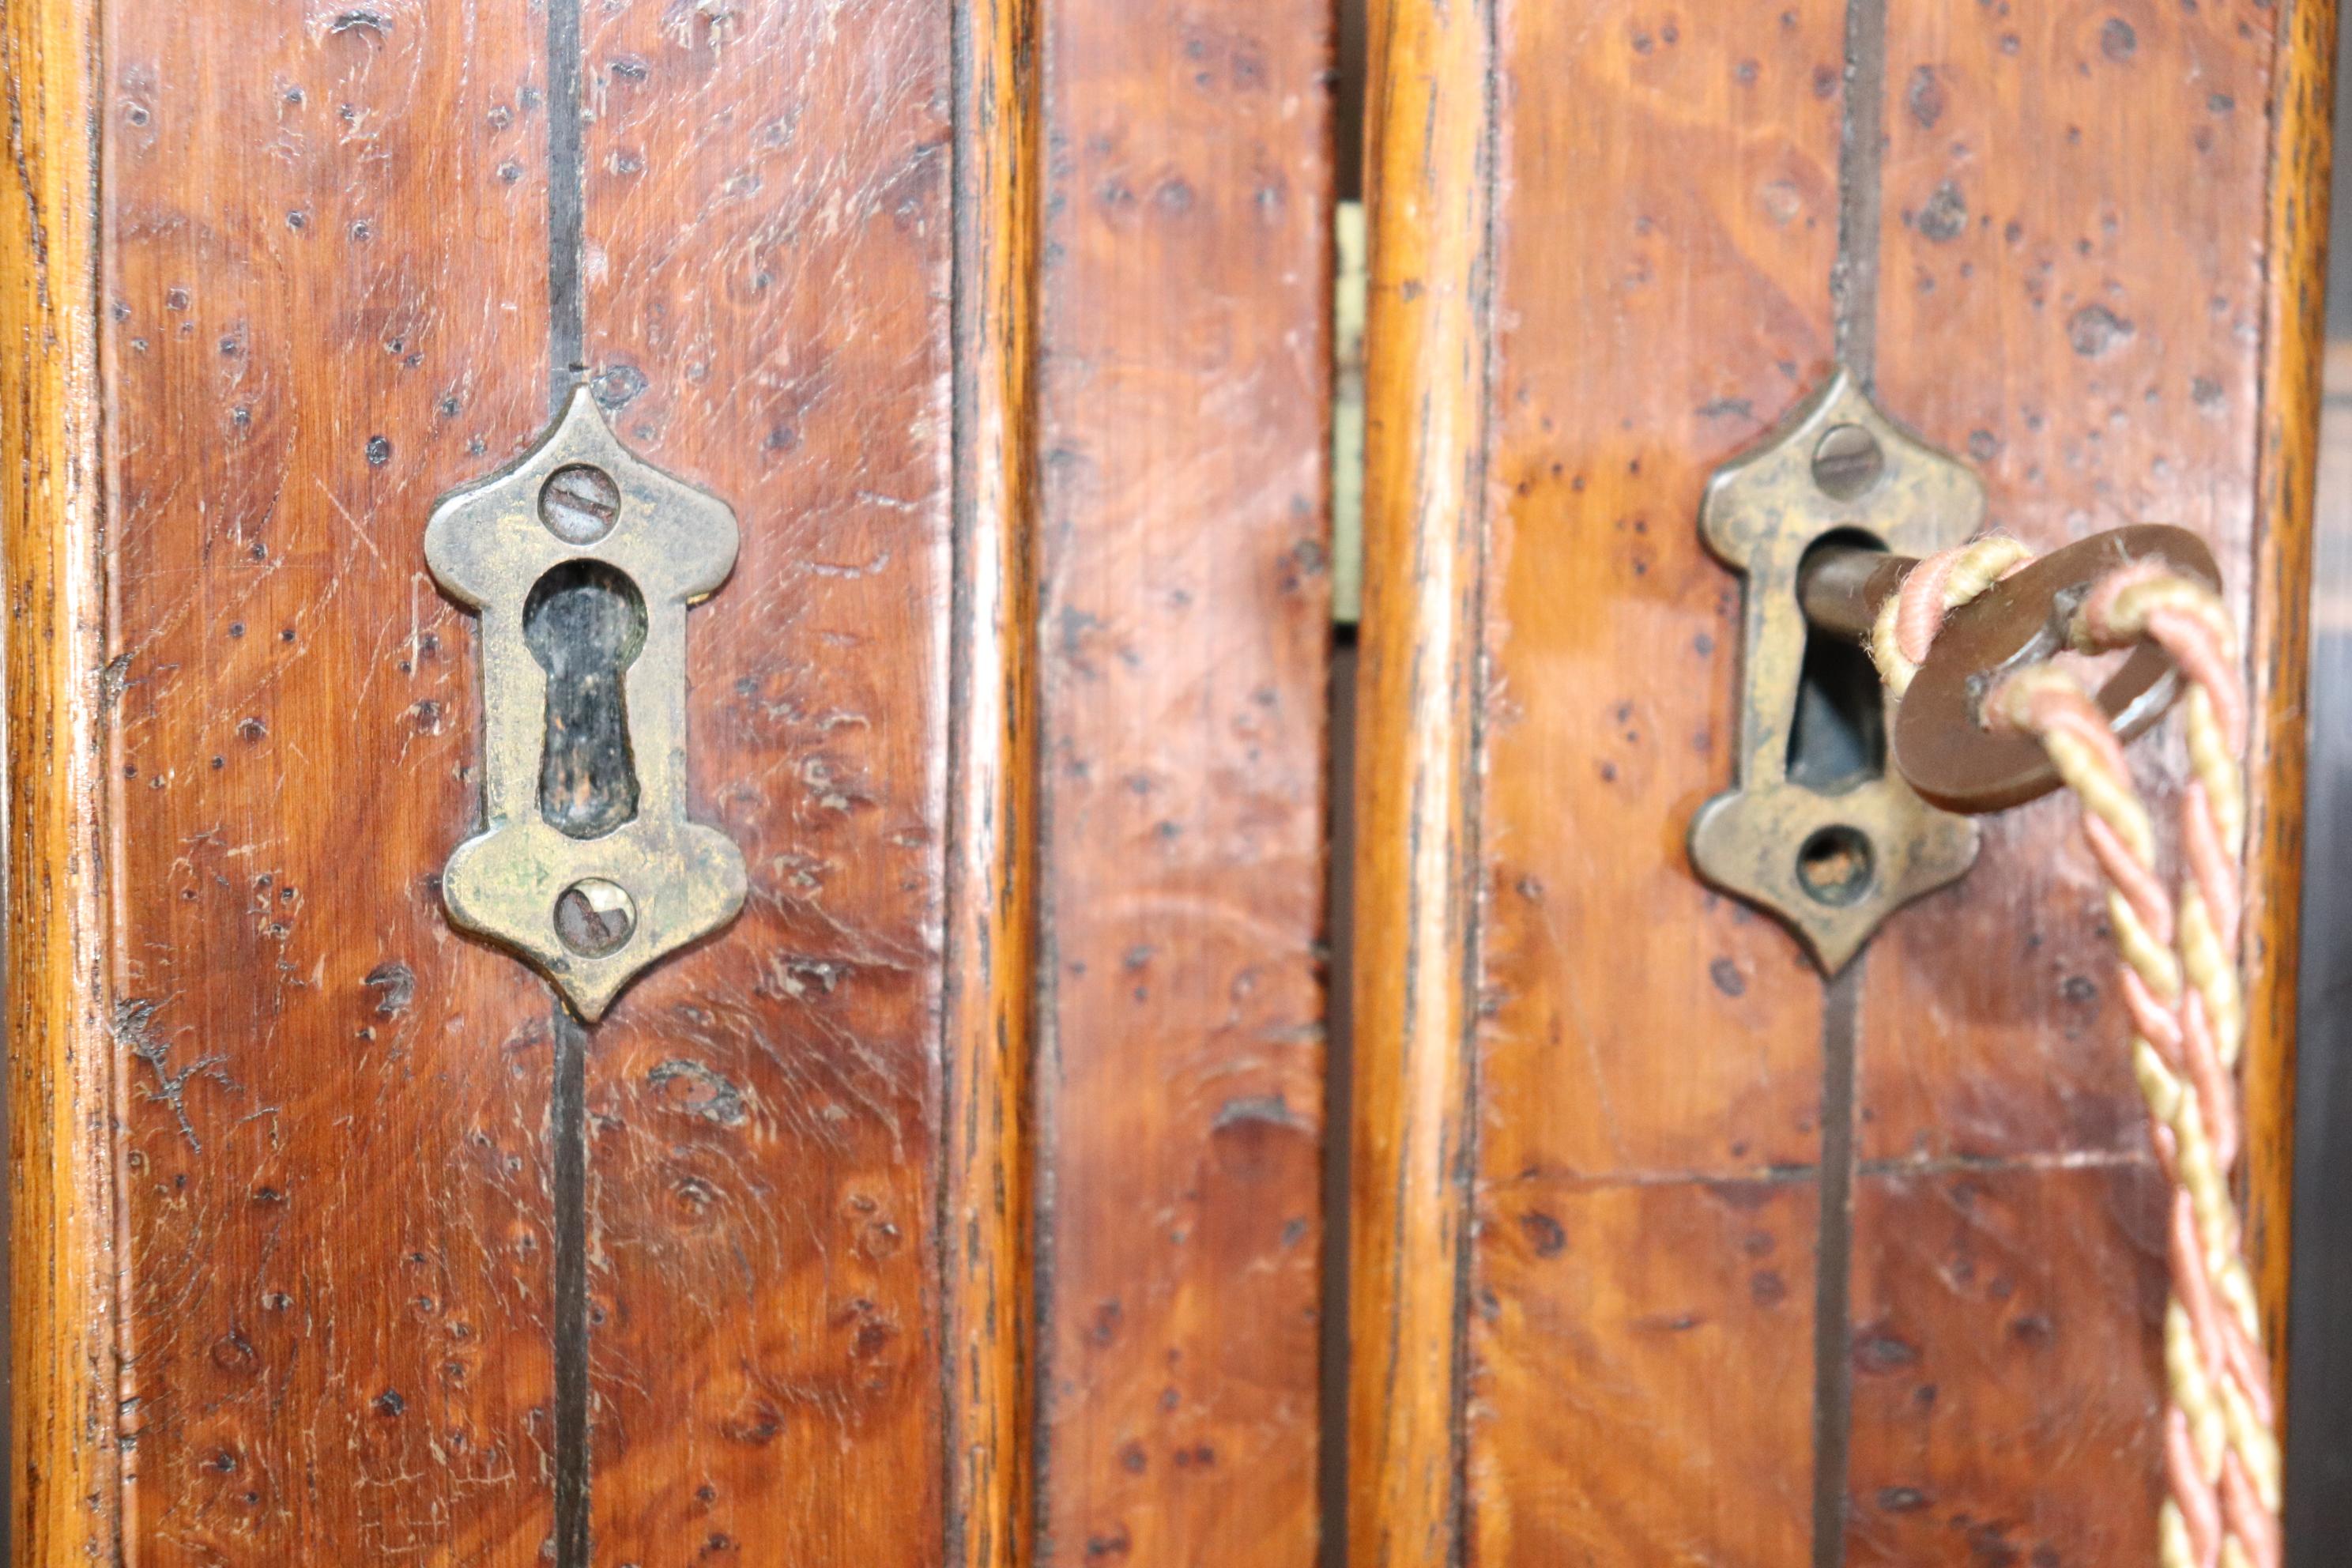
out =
column 585, row 624
column 1837, row 737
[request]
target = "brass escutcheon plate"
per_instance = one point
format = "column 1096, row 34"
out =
column 589, row 911
column 1832, row 865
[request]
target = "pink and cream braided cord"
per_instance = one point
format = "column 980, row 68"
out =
column 2179, row 969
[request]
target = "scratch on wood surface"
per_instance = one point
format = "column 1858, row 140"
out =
column 134, row 1031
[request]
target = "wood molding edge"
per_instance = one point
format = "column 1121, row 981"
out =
column 987, row 1226
column 1430, row 188
column 2293, row 349
column 68, row 1472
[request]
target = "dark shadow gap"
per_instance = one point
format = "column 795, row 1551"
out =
column 1350, row 66
column 1338, row 1101
column 2318, row 1512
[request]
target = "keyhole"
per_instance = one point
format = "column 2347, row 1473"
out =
column 585, row 623
column 1837, row 737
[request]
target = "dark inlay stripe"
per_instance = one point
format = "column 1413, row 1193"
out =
column 1853, row 297
column 567, row 354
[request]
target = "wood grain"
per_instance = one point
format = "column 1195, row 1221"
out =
column 2302, row 91
column 1001, row 324
column 2116, row 301
column 1665, row 1323
column 334, row 1111
column 2118, row 288
column 1184, row 622
column 2086, row 263
column 988, row 1301
column 1661, row 300
column 1431, row 194
column 62, row 1338
column 767, row 308
column 2002, row 1326
column 340, row 258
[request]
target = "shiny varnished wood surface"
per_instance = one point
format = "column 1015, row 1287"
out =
column 1416, row 848
column 1765, row 1270
column 1001, row 324
column 764, row 1113
column 65, row 1471
column 2123, row 273
column 988, row 1303
column 334, row 1143
column 1650, row 1074
column 2287, row 580
column 416, row 1266
column 1183, row 605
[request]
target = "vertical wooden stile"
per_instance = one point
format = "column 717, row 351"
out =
column 62, row 1322
column 1183, row 277
column 1430, row 185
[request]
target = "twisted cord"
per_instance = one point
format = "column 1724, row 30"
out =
column 1908, row 622
column 2230, row 1433
column 2179, row 975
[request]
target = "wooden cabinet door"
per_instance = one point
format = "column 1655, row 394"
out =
column 959, row 1202
column 1666, row 1250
